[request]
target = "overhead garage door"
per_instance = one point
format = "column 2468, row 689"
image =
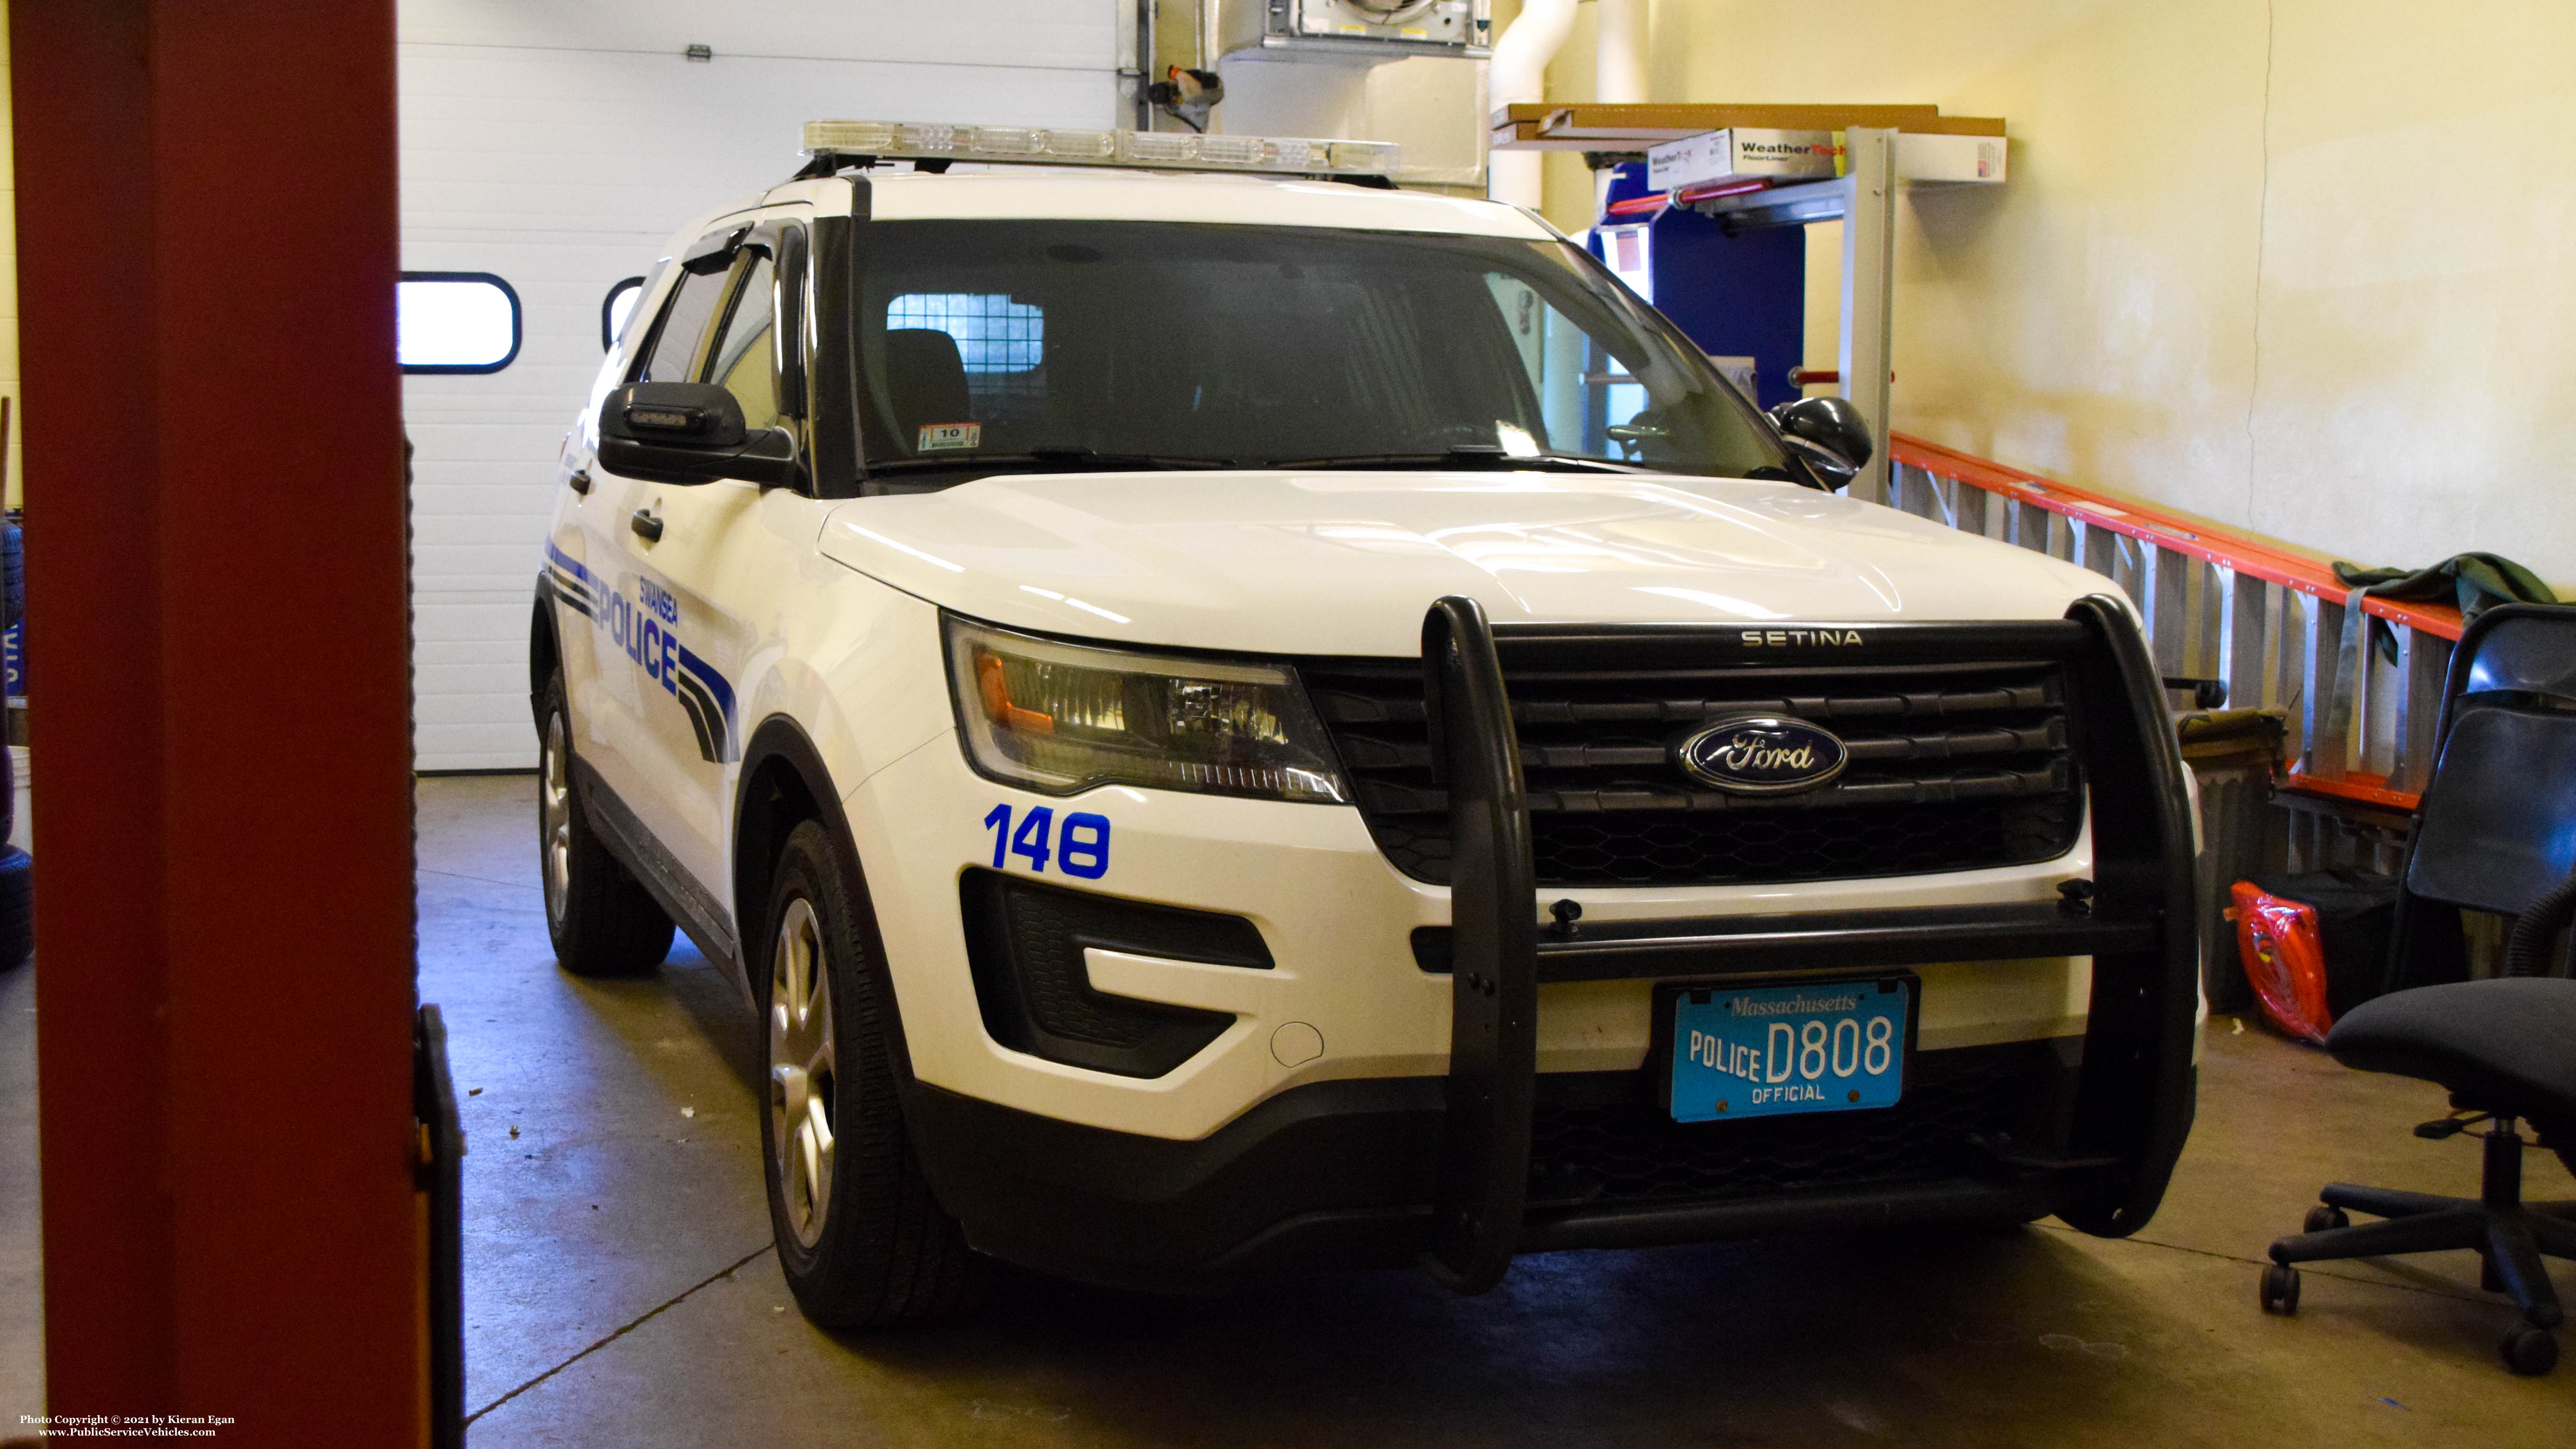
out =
column 557, row 147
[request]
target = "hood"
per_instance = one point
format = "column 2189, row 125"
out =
column 1347, row 563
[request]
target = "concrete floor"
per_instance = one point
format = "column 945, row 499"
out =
column 620, row 1288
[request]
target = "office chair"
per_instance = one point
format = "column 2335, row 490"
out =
column 2497, row 833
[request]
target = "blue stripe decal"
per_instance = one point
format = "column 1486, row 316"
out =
column 562, row 559
column 648, row 634
column 587, row 594
column 716, row 685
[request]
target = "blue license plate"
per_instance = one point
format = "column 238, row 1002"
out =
column 1762, row 1051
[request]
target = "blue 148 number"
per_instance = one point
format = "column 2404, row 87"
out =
column 1081, row 847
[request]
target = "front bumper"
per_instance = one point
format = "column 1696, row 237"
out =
column 1431, row 1119
column 1345, row 1173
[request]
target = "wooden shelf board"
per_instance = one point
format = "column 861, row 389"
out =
column 1547, row 126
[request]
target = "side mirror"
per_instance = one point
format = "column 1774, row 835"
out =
column 1828, row 434
column 690, row 432
column 682, row 414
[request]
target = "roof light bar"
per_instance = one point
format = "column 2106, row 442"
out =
column 1164, row 150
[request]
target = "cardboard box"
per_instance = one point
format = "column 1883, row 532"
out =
column 1740, row 154
column 1950, row 158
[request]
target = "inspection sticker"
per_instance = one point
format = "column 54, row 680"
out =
column 935, row 436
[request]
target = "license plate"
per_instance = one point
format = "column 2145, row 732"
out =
column 1762, row 1051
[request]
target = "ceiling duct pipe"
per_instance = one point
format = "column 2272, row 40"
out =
column 1620, row 75
column 1518, row 73
column 1619, row 67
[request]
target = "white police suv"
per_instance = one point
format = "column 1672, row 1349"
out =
column 1229, row 722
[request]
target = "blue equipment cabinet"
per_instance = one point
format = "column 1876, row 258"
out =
column 1739, row 295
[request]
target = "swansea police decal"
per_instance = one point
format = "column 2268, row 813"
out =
column 1761, row 754
column 647, row 632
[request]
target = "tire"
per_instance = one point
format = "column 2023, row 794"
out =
column 601, row 921
column 8, row 782
column 861, row 1238
column 17, row 907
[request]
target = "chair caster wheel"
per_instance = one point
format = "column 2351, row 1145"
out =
column 2530, row 1351
column 2281, row 1291
column 2324, row 1219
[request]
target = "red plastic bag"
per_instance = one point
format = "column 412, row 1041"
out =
column 2285, row 960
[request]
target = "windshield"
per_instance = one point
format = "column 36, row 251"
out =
column 985, row 345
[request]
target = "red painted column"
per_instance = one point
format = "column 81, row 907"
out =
column 207, row 253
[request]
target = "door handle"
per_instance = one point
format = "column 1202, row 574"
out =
column 580, row 480
column 646, row 525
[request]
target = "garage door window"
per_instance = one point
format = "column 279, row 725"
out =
column 455, row 322
column 615, row 308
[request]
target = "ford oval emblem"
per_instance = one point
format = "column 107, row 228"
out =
column 1762, row 754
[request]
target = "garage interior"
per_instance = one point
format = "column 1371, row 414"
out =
column 2241, row 292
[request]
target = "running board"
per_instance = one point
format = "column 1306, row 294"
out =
column 669, row 882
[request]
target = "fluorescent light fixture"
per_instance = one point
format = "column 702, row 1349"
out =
column 1163, row 150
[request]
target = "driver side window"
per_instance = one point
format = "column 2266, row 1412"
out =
column 684, row 325
column 744, row 361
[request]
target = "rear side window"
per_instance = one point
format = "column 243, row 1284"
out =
column 684, row 325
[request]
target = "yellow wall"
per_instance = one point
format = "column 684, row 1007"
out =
column 2302, row 266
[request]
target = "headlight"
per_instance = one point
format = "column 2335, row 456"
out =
column 1057, row 718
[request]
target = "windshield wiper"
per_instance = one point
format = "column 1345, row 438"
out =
column 1468, row 458
column 1066, row 460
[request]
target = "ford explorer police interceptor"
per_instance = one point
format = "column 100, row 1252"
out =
column 1229, row 722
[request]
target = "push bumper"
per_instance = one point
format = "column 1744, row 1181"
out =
column 2134, row 1092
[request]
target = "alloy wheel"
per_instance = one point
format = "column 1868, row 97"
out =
column 554, row 819
column 802, row 1063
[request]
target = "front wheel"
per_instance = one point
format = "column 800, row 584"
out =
column 601, row 921
column 861, row 1239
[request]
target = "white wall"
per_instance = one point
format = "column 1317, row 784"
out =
column 1431, row 106
column 558, row 144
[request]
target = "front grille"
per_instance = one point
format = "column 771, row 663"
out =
column 1630, row 1150
column 1956, row 763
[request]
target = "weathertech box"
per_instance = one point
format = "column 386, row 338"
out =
column 1742, row 153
